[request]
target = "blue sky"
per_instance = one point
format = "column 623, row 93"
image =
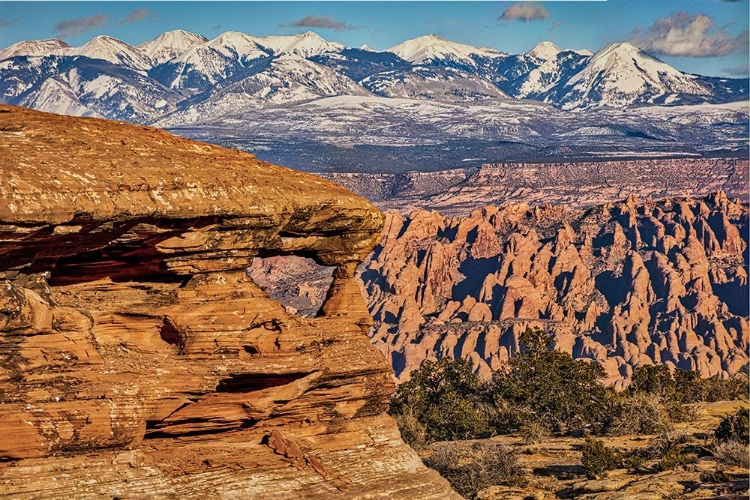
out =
column 707, row 37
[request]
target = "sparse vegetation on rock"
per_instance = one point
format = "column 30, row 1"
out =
column 598, row 458
column 543, row 390
column 549, row 387
column 443, row 400
column 732, row 453
column 471, row 467
column 734, row 427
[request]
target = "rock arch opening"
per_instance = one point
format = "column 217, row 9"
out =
column 299, row 283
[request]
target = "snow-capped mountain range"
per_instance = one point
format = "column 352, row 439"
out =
column 304, row 90
column 181, row 78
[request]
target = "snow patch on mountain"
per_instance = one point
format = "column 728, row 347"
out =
column 430, row 48
column 622, row 75
column 36, row 48
column 544, row 51
column 237, row 46
column 307, row 44
column 55, row 97
column 539, row 81
column 288, row 79
column 207, row 64
column 432, row 83
column 170, row 45
column 114, row 51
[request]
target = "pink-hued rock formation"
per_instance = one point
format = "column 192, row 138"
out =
column 625, row 284
column 139, row 360
column 574, row 184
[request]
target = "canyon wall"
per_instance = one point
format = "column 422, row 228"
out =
column 574, row 184
column 626, row 284
column 137, row 357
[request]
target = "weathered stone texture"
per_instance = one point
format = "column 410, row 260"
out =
column 138, row 359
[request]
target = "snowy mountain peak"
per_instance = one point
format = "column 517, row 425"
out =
column 115, row 51
column 311, row 34
column 367, row 48
column 35, row 48
column 431, row 47
column 236, row 45
column 622, row 49
column 544, row 51
column 170, row 45
column 306, row 44
column 624, row 56
column 622, row 75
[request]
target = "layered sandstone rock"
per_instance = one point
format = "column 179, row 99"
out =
column 139, row 360
column 577, row 184
column 627, row 284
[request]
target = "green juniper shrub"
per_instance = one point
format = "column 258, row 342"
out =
column 471, row 467
column 543, row 390
column 734, row 427
column 671, row 460
column 549, row 386
column 653, row 379
column 691, row 388
column 675, row 391
column 634, row 461
column 598, row 458
column 506, row 416
column 444, row 396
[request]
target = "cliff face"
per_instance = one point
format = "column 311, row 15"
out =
column 573, row 184
column 626, row 284
column 138, row 359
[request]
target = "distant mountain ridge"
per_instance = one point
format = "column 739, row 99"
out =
column 181, row 78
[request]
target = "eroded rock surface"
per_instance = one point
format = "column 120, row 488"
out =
column 627, row 284
column 574, row 184
column 139, row 360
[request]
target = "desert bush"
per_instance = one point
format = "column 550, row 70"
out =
column 633, row 461
column 679, row 412
column 413, row 432
column 734, row 427
column 691, row 388
column 668, row 449
column 472, row 467
column 558, row 391
column 686, row 386
column 598, row 458
column 672, row 459
column 637, row 413
column 732, row 453
column 665, row 442
column 445, row 397
column 716, row 476
column 534, row 432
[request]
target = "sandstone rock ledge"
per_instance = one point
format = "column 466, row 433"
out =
column 137, row 359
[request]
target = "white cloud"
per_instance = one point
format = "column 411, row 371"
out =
column 525, row 12
column 80, row 25
column 682, row 34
